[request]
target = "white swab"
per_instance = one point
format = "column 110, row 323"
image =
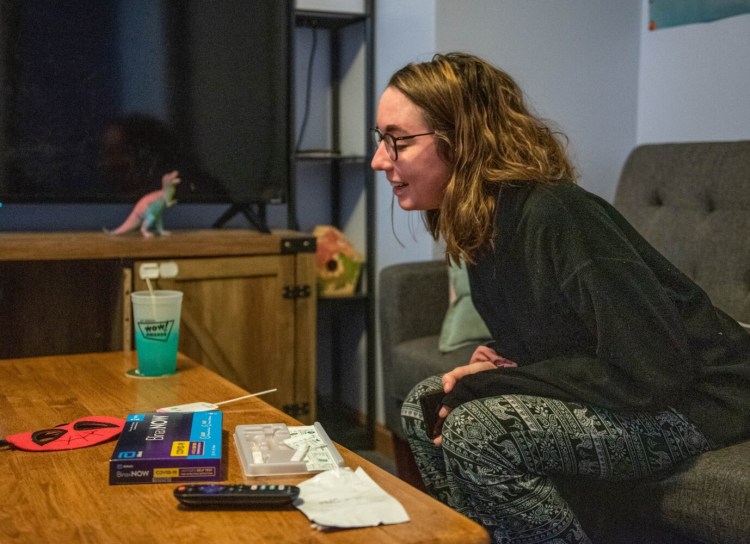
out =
column 246, row 396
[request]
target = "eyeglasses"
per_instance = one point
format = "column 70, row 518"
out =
column 391, row 141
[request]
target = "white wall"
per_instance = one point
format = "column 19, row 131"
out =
column 577, row 61
column 694, row 81
column 404, row 32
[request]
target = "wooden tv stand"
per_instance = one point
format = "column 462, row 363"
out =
column 248, row 313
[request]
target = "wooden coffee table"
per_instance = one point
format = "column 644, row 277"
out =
column 65, row 496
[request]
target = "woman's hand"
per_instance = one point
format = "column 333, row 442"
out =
column 450, row 378
column 483, row 358
column 484, row 353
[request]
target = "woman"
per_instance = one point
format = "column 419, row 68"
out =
column 606, row 361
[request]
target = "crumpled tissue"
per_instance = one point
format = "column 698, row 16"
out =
column 342, row 499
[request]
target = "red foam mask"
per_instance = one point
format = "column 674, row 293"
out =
column 81, row 433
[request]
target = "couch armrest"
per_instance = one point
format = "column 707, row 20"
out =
column 412, row 299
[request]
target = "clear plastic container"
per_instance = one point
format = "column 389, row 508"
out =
column 275, row 448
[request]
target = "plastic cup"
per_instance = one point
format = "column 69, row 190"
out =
column 156, row 322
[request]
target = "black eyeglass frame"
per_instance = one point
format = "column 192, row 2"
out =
column 390, row 140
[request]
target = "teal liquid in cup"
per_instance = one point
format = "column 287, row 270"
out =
column 156, row 357
column 156, row 320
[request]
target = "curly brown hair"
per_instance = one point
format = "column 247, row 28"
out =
column 488, row 136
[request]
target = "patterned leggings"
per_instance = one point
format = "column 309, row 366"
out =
column 498, row 453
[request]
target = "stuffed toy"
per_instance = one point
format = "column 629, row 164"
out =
column 338, row 262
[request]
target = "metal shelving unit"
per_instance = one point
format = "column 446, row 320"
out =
column 340, row 156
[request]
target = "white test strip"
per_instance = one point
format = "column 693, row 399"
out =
column 191, row 407
column 300, row 453
column 208, row 406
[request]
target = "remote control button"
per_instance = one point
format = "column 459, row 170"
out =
column 211, row 488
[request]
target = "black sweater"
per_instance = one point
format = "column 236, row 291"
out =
column 592, row 313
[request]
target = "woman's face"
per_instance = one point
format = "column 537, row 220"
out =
column 419, row 176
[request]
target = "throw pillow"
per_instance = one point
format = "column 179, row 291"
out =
column 461, row 325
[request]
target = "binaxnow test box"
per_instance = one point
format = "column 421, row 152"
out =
column 160, row 447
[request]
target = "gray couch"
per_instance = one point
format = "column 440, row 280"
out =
column 691, row 201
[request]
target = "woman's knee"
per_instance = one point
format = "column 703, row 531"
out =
column 457, row 427
column 412, row 417
column 428, row 385
column 473, row 426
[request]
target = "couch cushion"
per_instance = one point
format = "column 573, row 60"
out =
column 705, row 500
column 462, row 325
column 708, row 498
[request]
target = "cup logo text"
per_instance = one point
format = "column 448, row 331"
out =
column 156, row 330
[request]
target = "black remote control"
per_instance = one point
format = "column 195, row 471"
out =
column 236, row 495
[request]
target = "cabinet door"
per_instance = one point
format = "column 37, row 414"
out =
column 60, row 307
column 237, row 321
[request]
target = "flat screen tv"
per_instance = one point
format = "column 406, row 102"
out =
column 100, row 98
